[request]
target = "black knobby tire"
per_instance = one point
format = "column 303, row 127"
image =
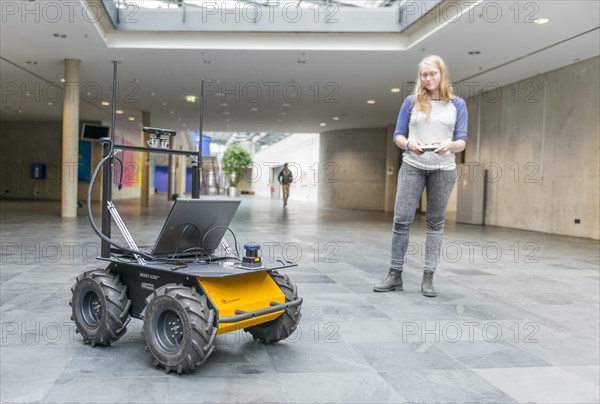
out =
column 179, row 327
column 100, row 307
column 284, row 325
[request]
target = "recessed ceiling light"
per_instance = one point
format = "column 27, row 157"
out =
column 105, row 103
column 179, row 119
column 336, row 118
column 371, row 102
column 152, row 94
column 395, row 90
column 50, row 103
column 20, row 111
column 190, row 98
column 31, row 62
column 254, row 109
column 172, row 112
column 475, row 52
column 323, row 124
column 62, row 80
column 541, row 21
column 164, row 104
column 119, row 111
column 131, row 118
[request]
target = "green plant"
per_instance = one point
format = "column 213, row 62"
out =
column 235, row 162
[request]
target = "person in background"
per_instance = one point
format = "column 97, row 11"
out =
column 285, row 179
column 434, row 117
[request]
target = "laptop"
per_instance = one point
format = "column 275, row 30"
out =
column 195, row 226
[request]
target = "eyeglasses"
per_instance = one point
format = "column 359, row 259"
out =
column 430, row 74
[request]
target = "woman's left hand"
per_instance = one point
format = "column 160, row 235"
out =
column 444, row 147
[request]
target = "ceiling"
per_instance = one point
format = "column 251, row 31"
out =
column 279, row 82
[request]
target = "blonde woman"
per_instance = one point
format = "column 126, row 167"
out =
column 431, row 129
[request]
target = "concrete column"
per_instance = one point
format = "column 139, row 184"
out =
column 352, row 162
column 70, row 139
column 392, row 164
column 171, row 173
column 145, row 169
column 182, row 174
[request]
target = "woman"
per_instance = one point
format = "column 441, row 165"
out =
column 430, row 119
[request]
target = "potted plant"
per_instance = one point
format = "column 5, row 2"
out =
column 235, row 162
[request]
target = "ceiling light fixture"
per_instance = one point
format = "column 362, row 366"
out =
column 336, row 118
column 254, row 109
column 395, row 90
column 119, row 111
column 105, row 103
column 323, row 124
column 541, row 21
column 131, row 118
column 190, row 98
column 371, row 102
column 62, row 80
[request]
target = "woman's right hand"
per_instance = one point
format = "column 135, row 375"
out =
column 415, row 147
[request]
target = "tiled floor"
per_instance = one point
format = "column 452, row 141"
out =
column 516, row 319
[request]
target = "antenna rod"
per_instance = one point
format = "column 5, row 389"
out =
column 107, row 173
column 197, row 166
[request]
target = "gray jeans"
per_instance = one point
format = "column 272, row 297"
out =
column 411, row 182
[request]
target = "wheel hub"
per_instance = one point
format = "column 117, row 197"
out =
column 169, row 330
column 92, row 308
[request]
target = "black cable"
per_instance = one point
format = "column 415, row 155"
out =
column 120, row 186
column 91, row 217
column 181, row 238
column 232, row 234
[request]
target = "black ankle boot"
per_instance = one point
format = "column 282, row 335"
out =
column 392, row 282
column 427, row 284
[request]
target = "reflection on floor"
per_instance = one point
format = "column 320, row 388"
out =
column 516, row 319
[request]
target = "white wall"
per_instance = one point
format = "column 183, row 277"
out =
column 301, row 152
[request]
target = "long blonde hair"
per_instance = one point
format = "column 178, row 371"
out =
column 422, row 96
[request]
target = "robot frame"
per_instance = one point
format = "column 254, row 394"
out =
column 184, row 303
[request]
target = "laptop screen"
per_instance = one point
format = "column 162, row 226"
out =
column 195, row 226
